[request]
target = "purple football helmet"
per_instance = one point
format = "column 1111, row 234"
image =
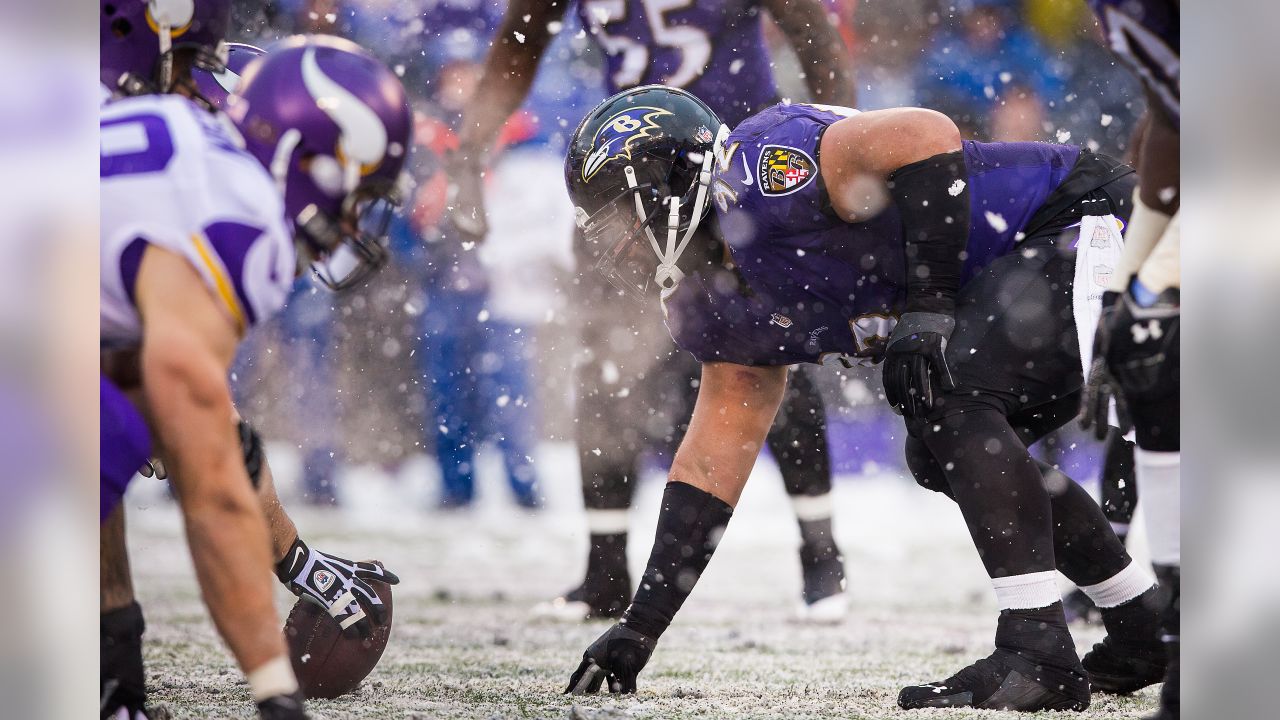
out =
column 333, row 126
column 140, row 36
column 216, row 87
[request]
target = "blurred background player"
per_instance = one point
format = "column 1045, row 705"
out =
column 1136, row 351
column 632, row 385
column 228, row 256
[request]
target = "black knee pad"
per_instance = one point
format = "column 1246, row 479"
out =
column 122, row 678
column 925, row 468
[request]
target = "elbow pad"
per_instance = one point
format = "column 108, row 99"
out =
column 933, row 200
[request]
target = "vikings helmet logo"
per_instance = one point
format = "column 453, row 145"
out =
column 618, row 135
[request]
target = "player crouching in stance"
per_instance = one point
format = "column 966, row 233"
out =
column 204, row 226
column 941, row 257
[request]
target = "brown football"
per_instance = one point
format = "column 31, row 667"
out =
column 327, row 661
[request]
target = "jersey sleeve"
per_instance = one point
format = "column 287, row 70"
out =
column 248, row 268
column 715, row 323
column 771, row 186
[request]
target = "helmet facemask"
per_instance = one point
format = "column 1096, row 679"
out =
column 346, row 251
column 635, row 256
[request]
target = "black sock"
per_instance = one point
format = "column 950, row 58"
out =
column 121, row 667
column 1135, row 623
column 689, row 528
column 817, row 535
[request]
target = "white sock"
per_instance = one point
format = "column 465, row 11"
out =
column 606, row 522
column 1027, row 592
column 1122, row 587
column 812, row 507
column 272, row 678
column 1160, row 492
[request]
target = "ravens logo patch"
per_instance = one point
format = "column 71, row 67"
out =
column 784, row 170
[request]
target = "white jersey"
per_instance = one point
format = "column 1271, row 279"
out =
column 174, row 175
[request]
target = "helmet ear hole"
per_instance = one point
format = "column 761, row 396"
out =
column 121, row 27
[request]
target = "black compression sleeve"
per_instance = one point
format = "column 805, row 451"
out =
column 933, row 199
column 689, row 528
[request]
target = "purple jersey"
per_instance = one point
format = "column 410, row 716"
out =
column 713, row 48
column 1146, row 34
column 806, row 284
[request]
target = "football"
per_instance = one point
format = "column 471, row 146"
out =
column 327, row 661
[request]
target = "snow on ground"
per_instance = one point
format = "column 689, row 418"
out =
column 464, row 645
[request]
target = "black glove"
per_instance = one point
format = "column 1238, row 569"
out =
column 1100, row 386
column 1135, row 357
column 915, row 363
column 337, row 583
column 283, row 707
column 619, row 655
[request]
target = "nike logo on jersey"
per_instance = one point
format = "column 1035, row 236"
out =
column 749, row 177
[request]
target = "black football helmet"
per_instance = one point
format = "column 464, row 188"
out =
column 642, row 160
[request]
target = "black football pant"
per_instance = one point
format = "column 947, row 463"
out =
column 1016, row 362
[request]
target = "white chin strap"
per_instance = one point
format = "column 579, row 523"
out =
column 667, row 274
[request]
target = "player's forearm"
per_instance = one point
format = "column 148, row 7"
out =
column 509, row 71
column 193, row 416
column 1160, row 165
column 827, row 61
column 279, row 525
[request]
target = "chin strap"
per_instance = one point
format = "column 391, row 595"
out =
column 667, row 274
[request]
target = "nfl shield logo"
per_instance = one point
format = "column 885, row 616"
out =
column 323, row 579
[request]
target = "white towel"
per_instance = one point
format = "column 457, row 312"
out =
column 1097, row 257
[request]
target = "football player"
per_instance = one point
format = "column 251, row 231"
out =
column 197, row 248
column 950, row 261
column 1136, row 356
column 717, row 50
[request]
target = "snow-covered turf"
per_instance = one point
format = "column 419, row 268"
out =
column 464, row 646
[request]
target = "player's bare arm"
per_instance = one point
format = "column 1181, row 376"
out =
column 509, row 70
column 735, row 408
column 187, row 347
column 822, row 53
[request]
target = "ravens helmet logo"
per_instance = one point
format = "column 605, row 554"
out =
column 618, row 135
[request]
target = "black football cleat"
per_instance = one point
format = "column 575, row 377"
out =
column 1033, row 668
column 1132, row 655
column 283, row 707
column 589, row 601
column 825, row 602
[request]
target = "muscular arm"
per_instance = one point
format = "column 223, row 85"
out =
column 509, row 70
column 859, row 152
column 735, row 408
column 827, row 62
column 188, row 343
